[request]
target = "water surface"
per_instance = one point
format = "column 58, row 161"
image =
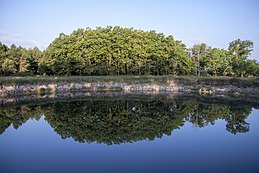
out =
column 129, row 134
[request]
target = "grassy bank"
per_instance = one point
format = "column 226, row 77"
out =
column 188, row 80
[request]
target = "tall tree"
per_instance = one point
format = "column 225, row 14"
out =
column 8, row 67
column 240, row 50
column 216, row 62
column 32, row 60
column 198, row 53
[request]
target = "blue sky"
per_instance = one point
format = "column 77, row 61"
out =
column 216, row 22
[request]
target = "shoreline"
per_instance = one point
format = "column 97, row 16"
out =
column 14, row 91
column 171, row 86
column 111, row 95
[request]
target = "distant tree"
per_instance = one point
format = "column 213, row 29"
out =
column 32, row 60
column 43, row 67
column 8, row 67
column 216, row 62
column 240, row 50
column 3, row 55
column 198, row 54
column 251, row 68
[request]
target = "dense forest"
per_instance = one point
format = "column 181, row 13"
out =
column 126, row 51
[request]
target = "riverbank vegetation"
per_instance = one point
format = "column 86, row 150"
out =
column 127, row 51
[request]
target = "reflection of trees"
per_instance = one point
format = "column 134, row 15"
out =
column 4, row 123
column 204, row 114
column 236, row 120
column 112, row 121
column 118, row 121
column 17, row 116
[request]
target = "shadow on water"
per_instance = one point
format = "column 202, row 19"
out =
column 125, row 119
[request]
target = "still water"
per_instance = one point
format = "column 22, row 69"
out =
column 129, row 134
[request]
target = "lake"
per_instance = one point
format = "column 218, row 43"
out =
column 130, row 134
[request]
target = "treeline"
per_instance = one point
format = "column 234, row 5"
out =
column 19, row 61
column 126, row 51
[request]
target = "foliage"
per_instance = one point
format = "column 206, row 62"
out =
column 116, row 51
column 8, row 67
column 18, row 60
column 240, row 50
column 127, row 51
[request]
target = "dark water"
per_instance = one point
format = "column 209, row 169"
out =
column 122, row 134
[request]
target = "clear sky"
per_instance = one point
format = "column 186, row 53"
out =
column 216, row 22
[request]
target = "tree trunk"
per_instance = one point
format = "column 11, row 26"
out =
column 198, row 66
column 126, row 68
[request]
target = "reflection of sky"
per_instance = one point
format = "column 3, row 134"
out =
column 35, row 147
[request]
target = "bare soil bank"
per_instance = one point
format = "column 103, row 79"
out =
column 10, row 90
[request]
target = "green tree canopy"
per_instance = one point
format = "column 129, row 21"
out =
column 117, row 50
column 8, row 66
column 240, row 50
column 127, row 51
